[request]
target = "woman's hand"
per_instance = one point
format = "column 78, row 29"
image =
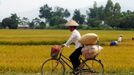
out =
column 63, row 45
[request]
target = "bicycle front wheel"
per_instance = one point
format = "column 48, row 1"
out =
column 52, row 67
column 92, row 67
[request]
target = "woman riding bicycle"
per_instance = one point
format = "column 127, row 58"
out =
column 56, row 65
column 74, row 37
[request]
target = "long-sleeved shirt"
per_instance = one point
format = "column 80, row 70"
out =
column 75, row 36
column 120, row 39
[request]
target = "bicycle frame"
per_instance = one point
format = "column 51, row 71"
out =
column 64, row 61
column 63, row 58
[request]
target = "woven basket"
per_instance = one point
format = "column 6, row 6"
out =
column 55, row 51
column 89, row 39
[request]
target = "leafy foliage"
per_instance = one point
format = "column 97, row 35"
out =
column 54, row 17
column 108, row 16
column 0, row 25
column 11, row 22
column 45, row 12
column 127, row 22
column 78, row 17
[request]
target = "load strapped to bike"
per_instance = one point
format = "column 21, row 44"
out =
column 91, row 47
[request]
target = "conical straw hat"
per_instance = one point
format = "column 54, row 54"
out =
column 71, row 23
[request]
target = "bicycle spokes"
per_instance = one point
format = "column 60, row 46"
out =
column 92, row 67
column 52, row 67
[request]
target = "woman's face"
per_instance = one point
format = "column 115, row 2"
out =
column 71, row 28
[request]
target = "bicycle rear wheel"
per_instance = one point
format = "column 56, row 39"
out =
column 52, row 67
column 92, row 67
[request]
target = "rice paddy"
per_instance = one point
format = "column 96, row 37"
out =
column 27, row 59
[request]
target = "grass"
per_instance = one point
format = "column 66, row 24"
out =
column 49, row 37
column 14, row 73
column 27, row 59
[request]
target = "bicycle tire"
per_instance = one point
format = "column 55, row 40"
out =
column 52, row 67
column 92, row 67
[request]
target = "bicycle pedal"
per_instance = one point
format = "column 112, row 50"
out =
column 76, row 73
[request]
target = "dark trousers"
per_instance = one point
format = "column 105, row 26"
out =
column 74, row 57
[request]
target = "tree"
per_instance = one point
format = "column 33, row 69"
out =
column 35, row 23
column 15, row 21
column 58, row 17
column 0, row 25
column 93, row 22
column 109, row 9
column 117, row 9
column 11, row 22
column 6, row 22
column 114, row 21
column 113, row 14
column 24, row 21
column 54, row 17
column 57, row 21
column 42, row 25
column 128, row 12
column 100, row 13
column 96, row 12
column 93, row 12
column 45, row 12
column 66, row 13
column 31, row 25
column 78, row 17
column 58, row 12
column 95, row 15
column 128, row 21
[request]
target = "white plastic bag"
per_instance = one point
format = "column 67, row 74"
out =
column 91, row 51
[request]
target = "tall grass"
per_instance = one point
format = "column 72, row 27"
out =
column 28, row 58
column 23, row 58
column 50, row 37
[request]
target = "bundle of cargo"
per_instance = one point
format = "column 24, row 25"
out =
column 89, row 39
column 90, row 49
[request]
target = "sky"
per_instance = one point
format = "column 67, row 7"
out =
column 30, row 8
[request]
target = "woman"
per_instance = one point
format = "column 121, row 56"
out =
column 74, row 37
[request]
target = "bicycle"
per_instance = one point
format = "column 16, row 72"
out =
column 56, row 66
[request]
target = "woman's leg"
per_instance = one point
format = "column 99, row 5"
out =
column 74, row 57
